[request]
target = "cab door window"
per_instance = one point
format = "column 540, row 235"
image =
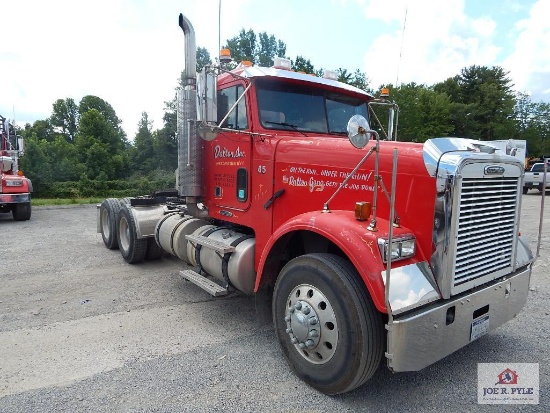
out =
column 226, row 99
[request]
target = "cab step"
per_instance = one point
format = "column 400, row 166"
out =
column 210, row 243
column 201, row 281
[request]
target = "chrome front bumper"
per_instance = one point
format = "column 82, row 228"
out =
column 424, row 336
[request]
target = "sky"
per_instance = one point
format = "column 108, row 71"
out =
column 130, row 52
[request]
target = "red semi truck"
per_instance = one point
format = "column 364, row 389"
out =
column 15, row 191
column 360, row 248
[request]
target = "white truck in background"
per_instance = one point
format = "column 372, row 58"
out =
column 535, row 177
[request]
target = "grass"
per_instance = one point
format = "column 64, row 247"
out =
column 64, row 201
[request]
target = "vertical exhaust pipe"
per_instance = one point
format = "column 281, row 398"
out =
column 190, row 160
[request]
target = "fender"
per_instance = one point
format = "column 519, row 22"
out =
column 352, row 237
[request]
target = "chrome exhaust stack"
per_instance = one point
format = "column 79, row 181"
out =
column 190, row 163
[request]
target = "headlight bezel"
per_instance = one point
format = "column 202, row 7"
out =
column 403, row 247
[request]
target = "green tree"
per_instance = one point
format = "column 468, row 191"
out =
column 423, row 112
column 301, row 64
column 344, row 76
column 97, row 136
column 143, row 154
column 533, row 124
column 106, row 110
column 203, row 58
column 36, row 163
column 259, row 50
column 483, row 102
column 243, row 46
column 65, row 118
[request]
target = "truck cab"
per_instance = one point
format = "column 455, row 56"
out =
column 361, row 249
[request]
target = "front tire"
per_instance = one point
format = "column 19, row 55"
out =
column 21, row 212
column 326, row 323
column 132, row 249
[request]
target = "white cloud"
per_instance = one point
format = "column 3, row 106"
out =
column 128, row 54
column 529, row 63
column 439, row 40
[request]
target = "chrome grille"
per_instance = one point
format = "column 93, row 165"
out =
column 485, row 230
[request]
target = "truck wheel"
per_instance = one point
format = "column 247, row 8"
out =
column 525, row 189
column 21, row 212
column 326, row 323
column 131, row 248
column 154, row 252
column 108, row 214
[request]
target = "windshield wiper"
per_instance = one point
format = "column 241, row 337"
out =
column 288, row 125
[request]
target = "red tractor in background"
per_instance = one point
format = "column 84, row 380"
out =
column 15, row 190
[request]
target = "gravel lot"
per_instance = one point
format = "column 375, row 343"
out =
column 82, row 331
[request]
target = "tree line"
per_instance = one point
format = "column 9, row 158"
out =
column 81, row 149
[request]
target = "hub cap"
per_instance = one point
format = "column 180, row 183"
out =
column 311, row 324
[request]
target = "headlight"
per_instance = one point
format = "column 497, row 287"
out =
column 401, row 248
column 14, row 182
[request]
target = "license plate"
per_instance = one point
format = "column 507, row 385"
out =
column 480, row 326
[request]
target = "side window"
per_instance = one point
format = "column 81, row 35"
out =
column 226, row 99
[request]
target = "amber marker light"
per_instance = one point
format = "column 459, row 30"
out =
column 225, row 55
column 20, row 173
column 247, row 63
column 362, row 211
column 385, row 92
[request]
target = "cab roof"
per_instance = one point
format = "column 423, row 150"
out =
column 258, row 72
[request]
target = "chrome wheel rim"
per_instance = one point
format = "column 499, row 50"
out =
column 311, row 324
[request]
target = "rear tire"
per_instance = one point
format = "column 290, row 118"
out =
column 336, row 337
column 132, row 249
column 108, row 215
column 525, row 190
column 21, row 212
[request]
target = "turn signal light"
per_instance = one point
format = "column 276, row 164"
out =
column 20, row 173
column 362, row 210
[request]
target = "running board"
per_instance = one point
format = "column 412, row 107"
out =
column 202, row 282
column 210, row 243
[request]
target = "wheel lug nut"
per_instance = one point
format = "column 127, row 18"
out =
column 313, row 321
column 313, row 333
column 289, row 330
column 287, row 318
column 294, row 340
column 309, row 343
column 291, row 309
column 306, row 310
column 298, row 306
column 302, row 345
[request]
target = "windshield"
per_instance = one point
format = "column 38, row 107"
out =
column 306, row 109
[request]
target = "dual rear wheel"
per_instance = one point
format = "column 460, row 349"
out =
column 118, row 230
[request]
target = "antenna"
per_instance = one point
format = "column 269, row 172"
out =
column 219, row 26
column 401, row 49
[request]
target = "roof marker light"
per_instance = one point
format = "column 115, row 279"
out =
column 225, row 56
column 330, row 74
column 282, row 63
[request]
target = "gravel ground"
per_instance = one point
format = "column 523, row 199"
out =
column 83, row 331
